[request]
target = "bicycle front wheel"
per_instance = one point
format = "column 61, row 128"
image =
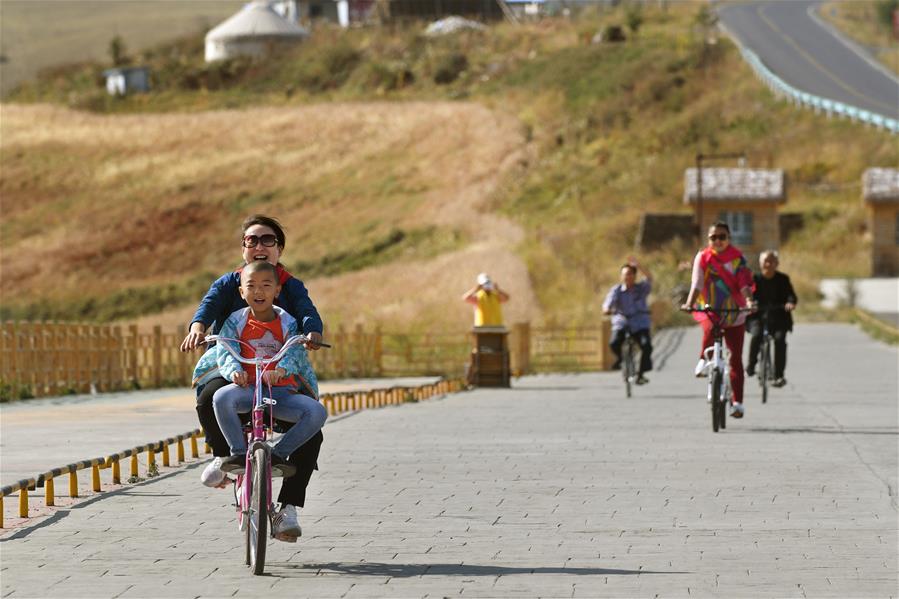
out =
column 715, row 395
column 257, row 531
column 765, row 370
column 628, row 369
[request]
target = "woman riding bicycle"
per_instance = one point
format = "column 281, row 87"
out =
column 262, row 238
column 722, row 281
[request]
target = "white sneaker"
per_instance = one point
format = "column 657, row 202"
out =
column 286, row 527
column 737, row 410
column 699, row 371
column 212, row 475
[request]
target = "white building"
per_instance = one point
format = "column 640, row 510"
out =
column 253, row 31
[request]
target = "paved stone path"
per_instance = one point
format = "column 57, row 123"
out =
column 559, row 487
column 82, row 427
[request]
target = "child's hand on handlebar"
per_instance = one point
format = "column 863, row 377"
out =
column 273, row 377
column 239, row 378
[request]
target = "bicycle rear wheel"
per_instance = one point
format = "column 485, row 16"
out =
column 715, row 386
column 765, row 370
column 257, row 531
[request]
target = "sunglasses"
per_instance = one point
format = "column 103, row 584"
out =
column 718, row 237
column 268, row 240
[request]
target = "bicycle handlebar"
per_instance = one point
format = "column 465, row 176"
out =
column 261, row 361
column 718, row 311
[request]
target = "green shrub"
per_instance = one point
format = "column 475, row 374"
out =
column 449, row 66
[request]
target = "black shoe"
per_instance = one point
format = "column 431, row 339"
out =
column 235, row 464
column 779, row 382
column 641, row 380
column 750, row 370
column 281, row 467
column 616, row 365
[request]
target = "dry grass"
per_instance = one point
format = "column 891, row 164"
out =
column 88, row 197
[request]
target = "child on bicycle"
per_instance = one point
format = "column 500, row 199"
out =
column 292, row 382
column 262, row 239
column 626, row 303
column 772, row 290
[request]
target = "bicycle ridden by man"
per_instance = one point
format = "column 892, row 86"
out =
column 626, row 303
column 773, row 292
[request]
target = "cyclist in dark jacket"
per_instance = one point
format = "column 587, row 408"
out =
column 771, row 288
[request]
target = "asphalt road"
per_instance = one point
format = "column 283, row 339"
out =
column 797, row 47
column 558, row 487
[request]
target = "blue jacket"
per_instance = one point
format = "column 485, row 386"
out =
column 223, row 299
column 218, row 362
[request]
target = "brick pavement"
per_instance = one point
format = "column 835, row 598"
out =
column 559, row 487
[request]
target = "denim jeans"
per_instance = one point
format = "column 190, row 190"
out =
column 308, row 415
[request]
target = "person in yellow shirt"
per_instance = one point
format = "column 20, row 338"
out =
column 487, row 299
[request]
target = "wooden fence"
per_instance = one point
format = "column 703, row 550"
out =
column 40, row 359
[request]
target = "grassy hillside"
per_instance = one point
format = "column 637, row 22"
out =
column 402, row 166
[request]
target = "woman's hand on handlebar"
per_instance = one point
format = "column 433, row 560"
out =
column 240, row 378
column 313, row 340
column 194, row 339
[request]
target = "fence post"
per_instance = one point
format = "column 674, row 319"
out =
column 49, row 492
column 132, row 353
column 605, row 335
column 157, row 356
column 521, row 350
column 378, row 352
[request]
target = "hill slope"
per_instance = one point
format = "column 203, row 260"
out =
column 407, row 165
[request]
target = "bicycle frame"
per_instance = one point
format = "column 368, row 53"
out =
column 718, row 369
column 257, row 439
column 765, row 371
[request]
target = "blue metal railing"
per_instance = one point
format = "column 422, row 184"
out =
column 829, row 107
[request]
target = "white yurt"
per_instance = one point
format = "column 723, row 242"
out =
column 251, row 32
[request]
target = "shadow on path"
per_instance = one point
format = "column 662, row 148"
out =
column 409, row 570
column 821, row 430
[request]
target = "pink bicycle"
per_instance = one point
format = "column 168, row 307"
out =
column 253, row 488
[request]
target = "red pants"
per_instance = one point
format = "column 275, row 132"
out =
column 733, row 338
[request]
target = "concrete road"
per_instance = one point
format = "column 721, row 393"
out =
column 559, row 487
column 803, row 51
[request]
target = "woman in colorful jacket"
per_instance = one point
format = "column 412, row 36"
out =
column 722, row 280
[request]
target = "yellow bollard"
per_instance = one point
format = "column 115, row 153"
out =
column 165, row 454
column 73, row 483
column 95, row 478
column 207, row 448
column 49, row 492
column 116, row 472
column 134, row 465
column 23, row 502
column 194, row 450
column 180, row 451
